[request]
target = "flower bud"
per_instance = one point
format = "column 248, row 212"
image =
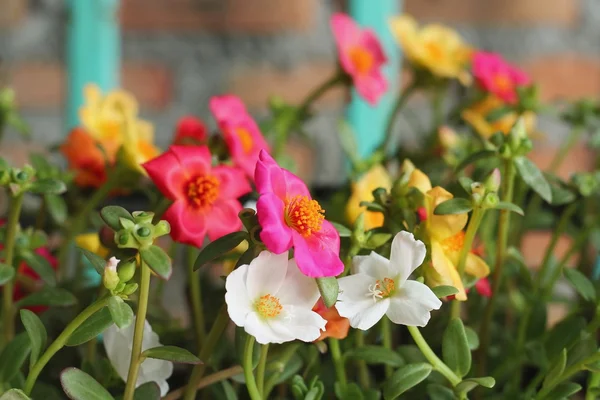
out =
column 490, row 200
column 130, row 288
column 110, row 277
column 526, row 146
column 126, row 270
column 422, row 213
column 448, row 137
column 141, row 217
column 477, row 188
column 124, row 240
column 162, row 228
column 492, row 183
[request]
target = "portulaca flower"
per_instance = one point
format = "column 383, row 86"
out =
column 381, row 287
column 118, row 342
column 272, row 300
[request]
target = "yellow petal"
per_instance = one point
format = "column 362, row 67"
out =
column 362, row 190
column 91, row 242
column 405, row 28
column 476, row 266
column 419, row 180
column 444, row 272
column 441, row 227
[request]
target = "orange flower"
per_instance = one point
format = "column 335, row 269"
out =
column 337, row 327
column 85, row 158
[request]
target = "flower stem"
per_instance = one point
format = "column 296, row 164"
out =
column 433, row 359
column 386, row 334
column 260, row 370
column 209, row 345
column 207, row 381
column 61, row 340
column 474, row 223
column 282, row 360
column 338, row 362
column 508, row 183
column 138, row 333
column 389, row 127
column 250, row 382
column 196, row 297
column 363, row 372
column 8, row 318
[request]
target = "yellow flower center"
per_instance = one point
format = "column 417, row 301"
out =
column 434, row 50
column 268, row 306
column 503, row 82
column 362, row 59
column 454, row 243
column 304, row 215
column 202, row 191
column 382, row 289
column 245, row 138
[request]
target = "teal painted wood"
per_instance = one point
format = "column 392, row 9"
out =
column 93, row 50
column 369, row 122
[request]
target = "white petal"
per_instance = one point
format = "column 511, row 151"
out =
column 407, row 255
column 263, row 332
column 368, row 316
column 412, row 303
column 373, row 265
column 298, row 289
column 236, row 297
column 355, row 287
column 266, row 274
column 303, row 324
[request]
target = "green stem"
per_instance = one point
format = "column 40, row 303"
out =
column 558, row 231
column 433, row 359
column 12, row 225
column 60, row 342
column 260, row 370
column 138, row 333
column 389, row 127
column 386, row 335
column 247, row 364
column 282, row 360
column 196, row 297
column 207, row 381
column 209, row 345
column 508, row 183
column 338, row 362
column 363, row 372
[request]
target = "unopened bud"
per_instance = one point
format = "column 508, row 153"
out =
column 129, row 289
column 141, row 217
column 126, row 270
column 491, row 200
column 162, row 228
column 492, row 183
column 422, row 213
column 110, row 277
column 448, row 137
column 477, row 188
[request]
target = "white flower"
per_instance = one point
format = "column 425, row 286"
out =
column 379, row 286
column 272, row 300
column 118, row 342
column 111, row 264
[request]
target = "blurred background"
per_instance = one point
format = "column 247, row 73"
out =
column 176, row 54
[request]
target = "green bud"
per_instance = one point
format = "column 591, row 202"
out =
column 490, row 200
column 19, row 176
column 381, row 196
column 126, row 270
column 129, row 289
column 162, row 228
column 526, row 146
column 119, row 287
column 144, row 231
column 493, row 181
column 141, row 217
column 505, row 151
column 122, row 238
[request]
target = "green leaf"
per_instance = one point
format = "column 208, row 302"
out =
column 39, row 264
column 342, row 230
column 534, row 178
column 57, row 208
column 515, row 255
column 438, row 392
column 97, row 262
column 466, row 182
column 455, row 348
column 581, row 283
column 563, row 335
column 375, row 355
column 471, row 383
column 36, row 332
column 563, row 391
column 377, row 240
column 329, row 289
column 121, row 313
column 14, row 394
column 503, row 205
column 48, row 186
column 158, row 261
column 7, row 273
column 112, row 215
column 557, row 369
column 472, row 338
column 405, row 378
column 91, row 328
column 453, row 206
column 172, row 353
column 470, row 159
column 371, row 206
column 350, row 392
column 78, row 385
column 48, row 296
column 39, row 162
column 13, row 356
column 219, row 247
column 147, row 391
column 497, row 113
column 444, row 291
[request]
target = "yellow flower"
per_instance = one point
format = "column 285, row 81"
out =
column 434, row 47
column 91, row 242
column 476, row 116
column 446, row 239
column 113, row 121
column 362, row 190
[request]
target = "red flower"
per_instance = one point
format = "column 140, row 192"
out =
column 204, row 197
column 25, row 270
column 483, row 287
column 190, row 130
column 242, row 136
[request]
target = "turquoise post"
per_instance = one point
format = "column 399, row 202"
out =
column 369, row 122
column 93, row 50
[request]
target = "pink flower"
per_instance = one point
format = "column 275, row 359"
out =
column 483, row 287
column 204, row 197
column 190, row 130
column 289, row 217
column 361, row 56
column 497, row 76
column 242, row 135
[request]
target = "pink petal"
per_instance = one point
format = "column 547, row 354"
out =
column 318, row 255
column 269, row 177
column 369, row 41
column 167, row 174
column 275, row 234
column 371, row 87
column 346, row 32
column 194, row 160
column 226, row 107
column 233, row 183
column 223, row 219
column 187, row 224
column 295, row 186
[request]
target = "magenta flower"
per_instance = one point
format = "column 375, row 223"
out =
column 289, row 217
column 495, row 75
column 361, row 56
column 242, row 136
